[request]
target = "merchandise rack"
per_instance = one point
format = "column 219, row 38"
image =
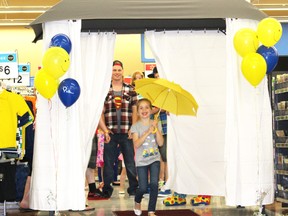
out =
column 279, row 104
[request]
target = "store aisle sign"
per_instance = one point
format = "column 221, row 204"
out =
column 8, row 65
column 23, row 76
column 149, row 68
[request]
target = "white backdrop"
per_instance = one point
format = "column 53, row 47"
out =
column 249, row 147
column 64, row 136
column 197, row 61
column 227, row 148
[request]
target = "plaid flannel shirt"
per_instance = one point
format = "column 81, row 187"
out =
column 129, row 99
column 163, row 119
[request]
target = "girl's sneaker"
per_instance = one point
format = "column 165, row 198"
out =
column 164, row 193
column 137, row 212
column 161, row 184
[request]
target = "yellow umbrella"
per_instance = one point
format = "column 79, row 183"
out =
column 167, row 95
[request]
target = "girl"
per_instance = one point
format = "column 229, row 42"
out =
column 135, row 76
column 146, row 139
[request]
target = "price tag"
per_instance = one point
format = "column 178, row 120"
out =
column 8, row 65
column 23, row 78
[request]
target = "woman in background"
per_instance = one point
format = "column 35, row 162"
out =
column 135, row 76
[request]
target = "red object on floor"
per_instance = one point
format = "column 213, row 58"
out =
column 172, row 212
column 95, row 196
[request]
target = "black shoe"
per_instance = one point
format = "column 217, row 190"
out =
column 132, row 194
column 99, row 192
column 107, row 193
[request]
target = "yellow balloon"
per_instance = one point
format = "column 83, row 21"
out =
column 269, row 31
column 245, row 41
column 56, row 61
column 254, row 68
column 45, row 84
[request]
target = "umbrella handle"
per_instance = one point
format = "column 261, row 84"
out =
column 155, row 118
column 155, row 130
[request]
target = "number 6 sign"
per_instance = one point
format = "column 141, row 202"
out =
column 23, row 77
column 8, row 65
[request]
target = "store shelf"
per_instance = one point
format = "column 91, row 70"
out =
column 281, row 172
column 281, row 112
column 281, row 139
column 278, row 83
column 281, row 88
column 281, row 145
column 281, row 118
column 279, row 199
column 283, row 194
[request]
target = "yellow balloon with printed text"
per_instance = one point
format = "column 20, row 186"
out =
column 269, row 31
column 245, row 41
column 45, row 84
column 254, row 68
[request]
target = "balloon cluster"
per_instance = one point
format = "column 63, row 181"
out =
column 56, row 62
column 258, row 60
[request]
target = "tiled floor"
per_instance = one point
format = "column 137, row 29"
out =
column 124, row 202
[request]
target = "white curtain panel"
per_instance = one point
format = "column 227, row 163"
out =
column 197, row 61
column 64, row 135
column 248, row 146
column 227, row 148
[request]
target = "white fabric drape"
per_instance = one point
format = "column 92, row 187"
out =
column 249, row 147
column 227, row 149
column 63, row 135
column 195, row 148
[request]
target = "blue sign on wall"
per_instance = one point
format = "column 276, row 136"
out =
column 282, row 45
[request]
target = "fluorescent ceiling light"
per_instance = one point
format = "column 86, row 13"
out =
column 15, row 22
column 23, row 9
column 274, row 9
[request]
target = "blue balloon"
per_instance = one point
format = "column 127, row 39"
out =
column 61, row 40
column 69, row 91
column 270, row 55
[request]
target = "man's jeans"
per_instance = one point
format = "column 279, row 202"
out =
column 110, row 153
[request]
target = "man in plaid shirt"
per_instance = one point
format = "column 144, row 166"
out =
column 119, row 114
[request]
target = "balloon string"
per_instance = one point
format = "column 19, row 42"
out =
column 54, row 154
column 257, row 140
column 258, row 148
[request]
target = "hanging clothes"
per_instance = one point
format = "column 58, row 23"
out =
column 11, row 105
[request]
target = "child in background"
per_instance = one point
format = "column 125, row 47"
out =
column 94, row 192
column 147, row 137
column 122, row 175
column 135, row 76
column 100, row 159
